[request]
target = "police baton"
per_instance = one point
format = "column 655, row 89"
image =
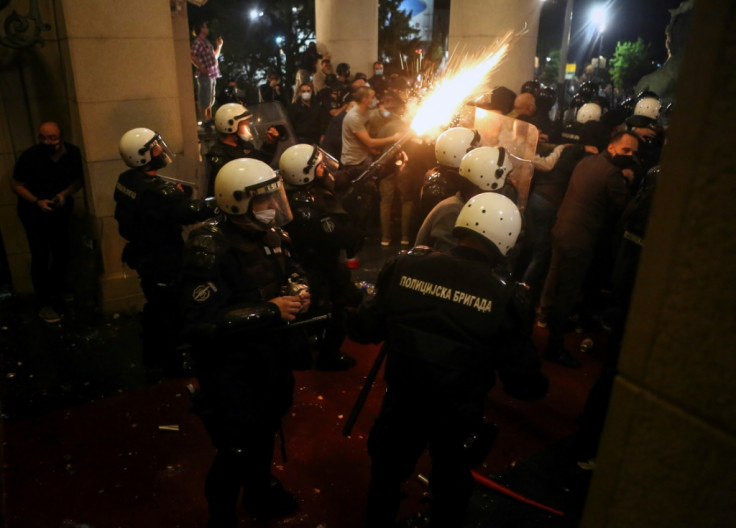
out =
column 355, row 412
column 311, row 320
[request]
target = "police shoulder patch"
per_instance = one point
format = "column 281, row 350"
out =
column 202, row 292
column 328, row 224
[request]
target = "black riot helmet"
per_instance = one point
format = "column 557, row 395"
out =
column 531, row 87
column 587, row 91
column 343, row 69
column 546, row 98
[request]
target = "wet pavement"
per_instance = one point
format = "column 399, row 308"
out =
column 93, row 439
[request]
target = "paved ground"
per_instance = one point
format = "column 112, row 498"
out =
column 87, row 442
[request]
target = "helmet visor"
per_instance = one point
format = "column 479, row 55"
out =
column 158, row 149
column 330, row 163
column 271, row 195
column 245, row 128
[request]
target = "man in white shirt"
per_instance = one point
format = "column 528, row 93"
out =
column 358, row 146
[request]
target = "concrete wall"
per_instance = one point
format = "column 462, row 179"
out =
column 33, row 89
column 476, row 24
column 348, row 31
column 103, row 69
column 668, row 455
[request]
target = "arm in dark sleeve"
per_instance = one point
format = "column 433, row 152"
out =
column 207, row 298
column 519, row 367
column 77, row 170
column 184, row 210
column 367, row 323
column 618, row 191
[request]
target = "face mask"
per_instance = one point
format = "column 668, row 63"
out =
column 159, row 162
column 306, row 96
column 266, row 216
column 622, row 161
column 379, row 71
column 48, row 149
column 385, row 113
column 374, row 103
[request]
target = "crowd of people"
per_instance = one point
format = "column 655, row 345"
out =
column 263, row 286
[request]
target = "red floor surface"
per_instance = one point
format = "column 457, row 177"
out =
column 109, row 464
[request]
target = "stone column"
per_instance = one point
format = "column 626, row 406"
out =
column 347, row 30
column 32, row 90
column 476, row 24
column 124, row 69
column 668, row 453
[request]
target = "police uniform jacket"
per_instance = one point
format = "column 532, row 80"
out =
column 321, row 228
column 450, row 321
column 243, row 350
column 150, row 213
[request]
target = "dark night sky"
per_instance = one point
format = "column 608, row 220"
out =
column 628, row 20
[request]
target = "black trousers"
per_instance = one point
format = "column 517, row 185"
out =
column 49, row 244
column 397, row 440
column 161, row 324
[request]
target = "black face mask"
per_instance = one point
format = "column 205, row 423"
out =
column 159, row 162
column 622, row 162
column 247, row 145
column 47, row 149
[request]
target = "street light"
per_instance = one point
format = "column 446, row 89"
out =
column 598, row 16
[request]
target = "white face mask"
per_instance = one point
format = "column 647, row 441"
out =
column 266, row 216
column 374, row 103
column 306, row 96
column 379, row 71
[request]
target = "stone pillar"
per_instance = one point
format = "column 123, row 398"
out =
column 32, row 90
column 124, row 70
column 476, row 24
column 347, row 30
column 668, row 453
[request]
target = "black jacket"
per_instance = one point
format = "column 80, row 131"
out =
column 450, row 322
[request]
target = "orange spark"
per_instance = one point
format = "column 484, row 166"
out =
column 464, row 80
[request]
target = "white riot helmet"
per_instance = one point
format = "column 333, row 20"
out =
column 648, row 107
column 453, row 144
column 137, row 148
column 492, row 216
column 486, row 167
column 229, row 116
column 243, row 181
column 298, row 164
column 589, row 112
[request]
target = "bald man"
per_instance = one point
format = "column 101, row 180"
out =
column 45, row 178
column 524, row 105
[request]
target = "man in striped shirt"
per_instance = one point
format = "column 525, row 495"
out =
column 204, row 57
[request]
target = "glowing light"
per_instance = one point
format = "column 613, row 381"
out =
column 598, row 18
column 465, row 79
column 253, row 14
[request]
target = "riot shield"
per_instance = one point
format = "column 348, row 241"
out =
column 271, row 114
column 519, row 138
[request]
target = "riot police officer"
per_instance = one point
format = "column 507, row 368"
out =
column 151, row 212
column 235, row 140
column 644, row 122
column 321, row 230
column 441, row 181
column 241, row 288
column 482, row 169
column 449, row 321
